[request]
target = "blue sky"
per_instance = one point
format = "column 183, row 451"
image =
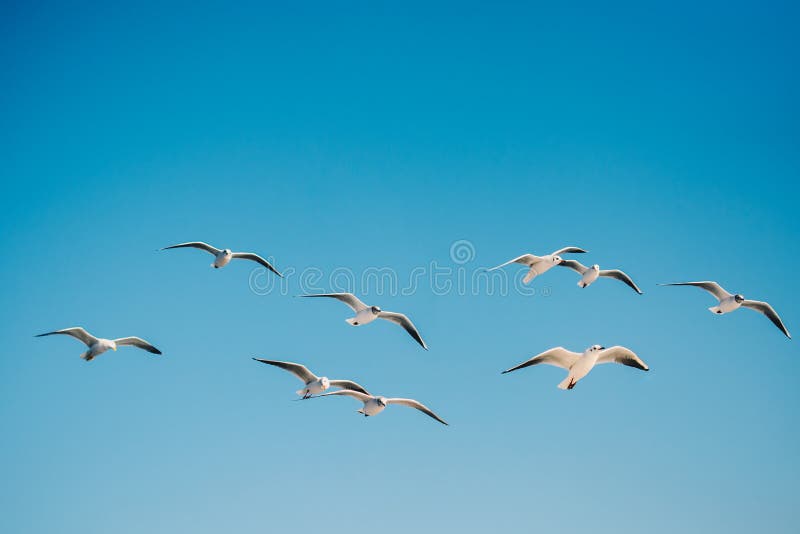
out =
column 661, row 138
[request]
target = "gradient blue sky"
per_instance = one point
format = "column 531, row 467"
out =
column 664, row 139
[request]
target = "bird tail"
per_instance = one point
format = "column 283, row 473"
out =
column 87, row 356
column 301, row 392
column 566, row 383
column 715, row 309
column 352, row 321
column 528, row 277
column 581, row 283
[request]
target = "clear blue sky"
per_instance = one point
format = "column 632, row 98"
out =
column 664, row 139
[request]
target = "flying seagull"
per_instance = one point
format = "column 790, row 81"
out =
column 313, row 384
column 373, row 405
column 540, row 264
column 729, row 302
column 578, row 365
column 590, row 274
column 223, row 256
column 366, row 314
column 98, row 345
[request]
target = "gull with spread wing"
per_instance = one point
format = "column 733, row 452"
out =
column 540, row 264
column 729, row 302
column 98, row 345
column 366, row 314
column 373, row 405
column 578, row 365
column 590, row 274
column 312, row 384
column 222, row 257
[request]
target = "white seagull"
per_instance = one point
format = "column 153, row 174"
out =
column 578, row 365
column 373, row 405
column 98, row 345
column 540, row 264
column 222, row 257
column 729, row 302
column 366, row 314
column 590, row 274
column 313, row 384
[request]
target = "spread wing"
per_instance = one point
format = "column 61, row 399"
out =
column 77, row 332
column 568, row 250
column 622, row 277
column 405, row 322
column 576, row 266
column 347, row 298
column 525, row 259
column 712, row 287
column 622, row 355
column 558, row 356
column 256, row 258
column 363, row 397
column 300, row 371
column 769, row 311
column 137, row 342
column 196, row 244
column 411, row 403
column 348, row 384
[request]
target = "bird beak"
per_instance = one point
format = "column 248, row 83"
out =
column 115, row 348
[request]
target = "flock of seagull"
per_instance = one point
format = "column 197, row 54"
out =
column 577, row 364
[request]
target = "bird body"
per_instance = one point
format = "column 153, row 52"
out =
column 223, row 257
column 366, row 314
column 578, row 365
column 729, row 302
column 591, row 274
column 538, row 265
column 312, row 384
column 374, row 404
column 99, row 345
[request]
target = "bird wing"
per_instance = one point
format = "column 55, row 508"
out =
column 348, row 384
column 405, row 322
column 300, row 371
column 256, row 258
column 348, row 298
column 622, row 277
column 558, row 356
column 576, row 266
column 363, row 397
column 411, row 403
column 77, row 332
column 712, row 287
column 769, row 311
column 568, row 250
column 137, row 342
column 525, row 259
column 622, row 355
column 196, row 244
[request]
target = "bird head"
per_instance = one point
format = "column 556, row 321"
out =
column 381, row 401
column 595, row 348
column 325, row 382
column 557, row 259
column 596, row 267
column 227, row 251
column 375, row 310
column 738, row 298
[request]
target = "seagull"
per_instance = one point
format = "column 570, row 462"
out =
column 313, row 384
column 366, row 314
column 373, row 405
column 590, row 274
column 98, row 345
column 578, row 365
column 729, row 302
column 540, row 264
column 223, row 256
